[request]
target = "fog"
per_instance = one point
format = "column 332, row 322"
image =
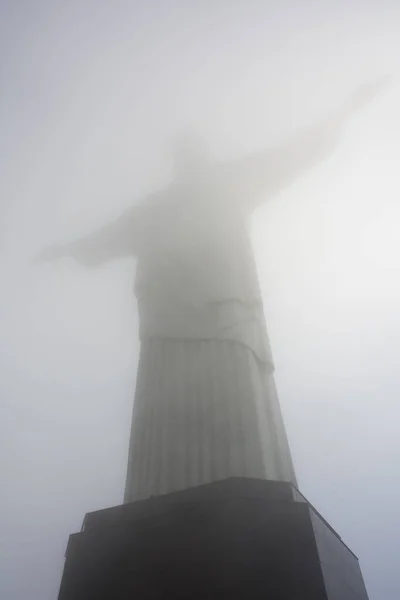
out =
column 92, row 95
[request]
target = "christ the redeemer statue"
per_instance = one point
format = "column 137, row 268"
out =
column 205, row 406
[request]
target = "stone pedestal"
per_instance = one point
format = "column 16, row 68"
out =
column 237, row 539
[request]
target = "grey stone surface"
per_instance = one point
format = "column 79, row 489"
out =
column 242, row 539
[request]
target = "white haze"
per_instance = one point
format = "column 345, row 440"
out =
column 92, row 92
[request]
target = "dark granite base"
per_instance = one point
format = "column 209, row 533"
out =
column 235, row 539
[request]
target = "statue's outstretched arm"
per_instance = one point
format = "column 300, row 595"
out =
column 268, row 172
column 115, row 240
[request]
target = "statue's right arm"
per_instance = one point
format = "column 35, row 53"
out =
column 116, row 240
column 269, row 171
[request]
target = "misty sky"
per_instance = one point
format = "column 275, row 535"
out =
column 92, row 92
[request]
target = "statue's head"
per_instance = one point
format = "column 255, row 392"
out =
column 191, row 155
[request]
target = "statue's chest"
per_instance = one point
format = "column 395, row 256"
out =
column 194, row 224
column 197, row 245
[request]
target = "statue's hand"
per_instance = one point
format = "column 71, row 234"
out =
column 49, row 254
column 366, row 93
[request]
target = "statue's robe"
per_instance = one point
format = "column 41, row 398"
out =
column 205, row 405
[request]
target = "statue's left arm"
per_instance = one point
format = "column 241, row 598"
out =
column 268, row 172
column 115, row 240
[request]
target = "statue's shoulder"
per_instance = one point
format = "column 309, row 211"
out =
column 157, row 198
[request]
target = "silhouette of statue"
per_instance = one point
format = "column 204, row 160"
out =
column 205, row 404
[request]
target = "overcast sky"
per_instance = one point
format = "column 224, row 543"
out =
column 92, row 92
